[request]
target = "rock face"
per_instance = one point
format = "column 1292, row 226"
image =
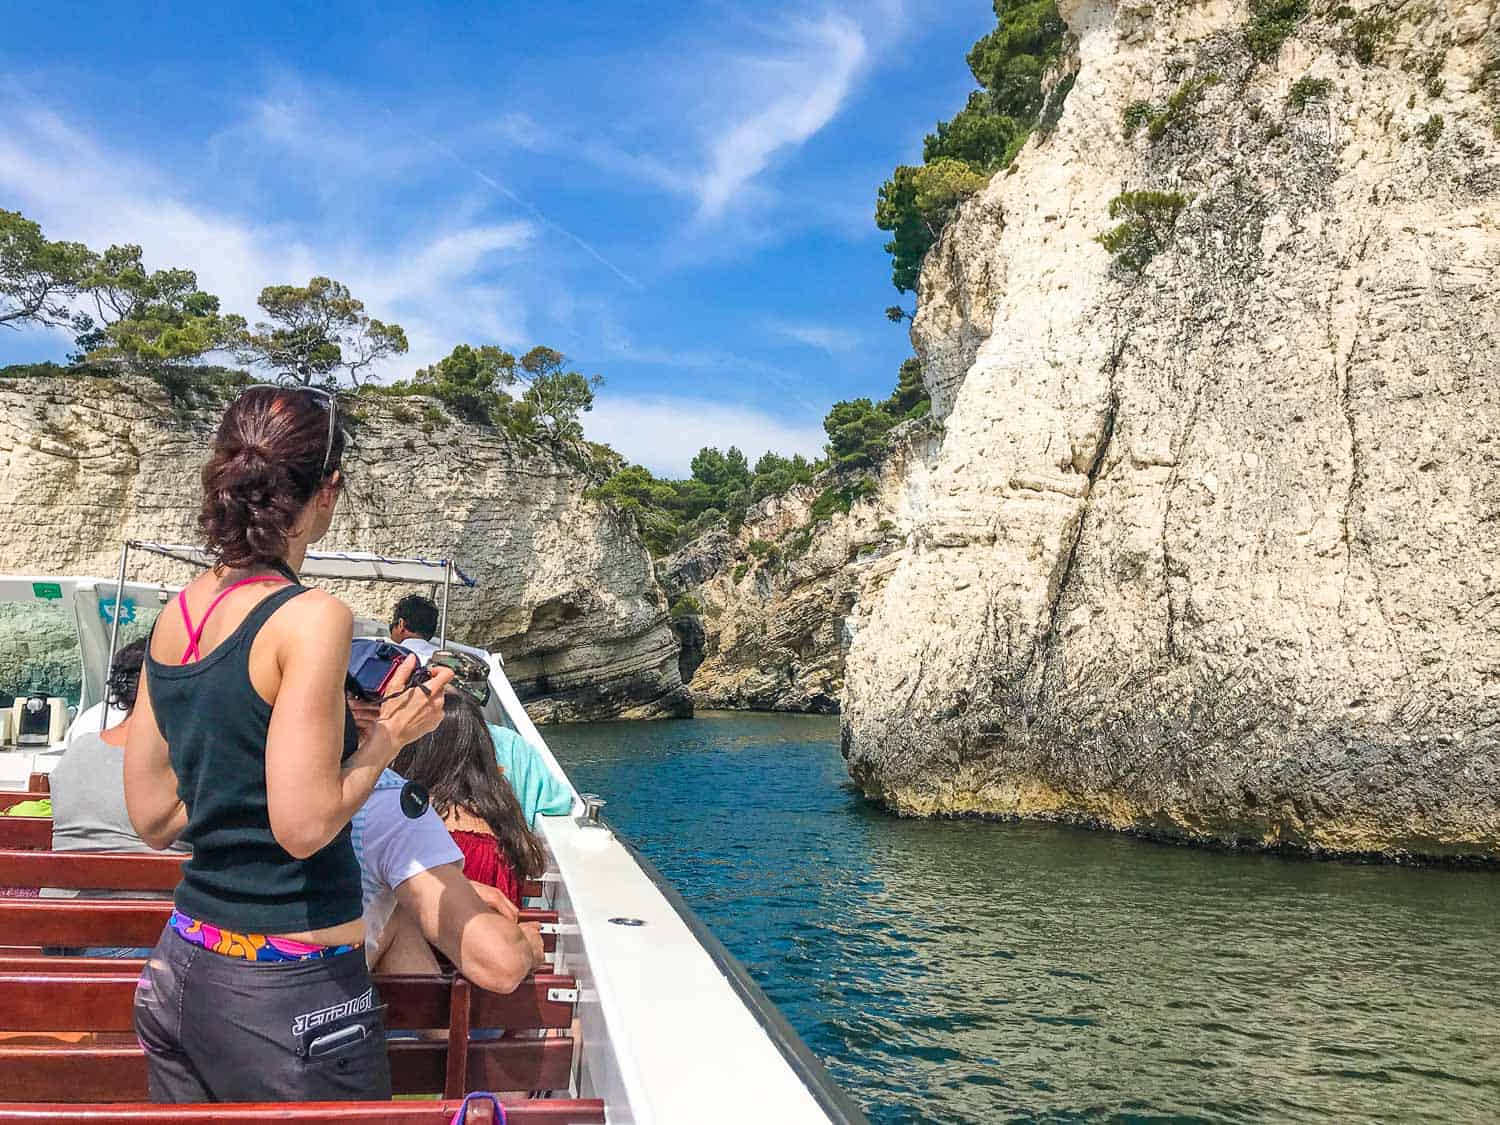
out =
column 781, row 599
column 1209, row 550
column 566, row 591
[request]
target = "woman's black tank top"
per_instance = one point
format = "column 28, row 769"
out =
column 215, row 726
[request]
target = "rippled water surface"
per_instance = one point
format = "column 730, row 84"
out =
column 960, row 971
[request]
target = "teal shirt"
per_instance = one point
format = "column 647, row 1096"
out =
column 535, row 787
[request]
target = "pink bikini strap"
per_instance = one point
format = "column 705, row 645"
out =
column 195, row 633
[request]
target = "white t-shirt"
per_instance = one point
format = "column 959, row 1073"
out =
column 423, row 649
column 87, row 721
column 393, row 847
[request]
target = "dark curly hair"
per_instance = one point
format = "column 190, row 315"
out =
column 456, row 763
column 125, row 675
column 419, row 613
column 270, row 455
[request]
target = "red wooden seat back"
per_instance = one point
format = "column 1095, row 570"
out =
column 102, row 1002
column 90, row 871
column 33, row 833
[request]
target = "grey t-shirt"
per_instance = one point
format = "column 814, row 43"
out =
column 88, row 808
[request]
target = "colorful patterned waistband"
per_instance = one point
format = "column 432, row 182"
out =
column 251, row 947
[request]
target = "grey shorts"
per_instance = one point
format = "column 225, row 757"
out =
column 221, row 1029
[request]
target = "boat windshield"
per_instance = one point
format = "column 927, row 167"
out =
column 42, row 646
column 39, row 651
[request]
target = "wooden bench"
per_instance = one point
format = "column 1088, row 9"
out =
column 102, row 1002
column 43, row 1002
column 35, row 866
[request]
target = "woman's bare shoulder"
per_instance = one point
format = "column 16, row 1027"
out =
column 319, row 609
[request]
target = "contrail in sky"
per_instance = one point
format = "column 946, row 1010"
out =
column 490, row 181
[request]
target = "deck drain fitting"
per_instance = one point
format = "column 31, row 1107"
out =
column 626, row 922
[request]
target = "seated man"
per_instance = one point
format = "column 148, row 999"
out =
column 413, row 623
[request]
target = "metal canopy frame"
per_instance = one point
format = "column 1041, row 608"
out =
column 348, row 566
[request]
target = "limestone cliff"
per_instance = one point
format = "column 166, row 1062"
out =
column 780, row 600
column 566, row 591
column 1209, row 548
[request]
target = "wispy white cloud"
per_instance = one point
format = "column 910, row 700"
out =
column 664, row 432
column 749, row 105
column 794, row 93
column 439, row 282
column 826, row 337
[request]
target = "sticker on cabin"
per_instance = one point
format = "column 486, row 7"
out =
column 47, row 591
column 107, row 610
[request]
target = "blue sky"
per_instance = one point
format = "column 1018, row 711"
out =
column 678, row 196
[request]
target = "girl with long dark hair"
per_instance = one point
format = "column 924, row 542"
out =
column 456, row 763
column 242, row 746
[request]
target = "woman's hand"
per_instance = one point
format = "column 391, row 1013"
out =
column 406, row 714
column 532, row 931
column 366, row 715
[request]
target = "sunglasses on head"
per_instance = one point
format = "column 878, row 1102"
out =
column 333, row 421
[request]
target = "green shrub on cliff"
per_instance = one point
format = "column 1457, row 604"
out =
column 776, row 475
column 914, row 204
column 686, row 606
column 960, row 155
column 910, row 398
column 652, row 502
column 839, row 500
column 1271, row 24
column 1137, row 113
column 1181, row 108
column 856, row 433
column 1306, row 90
column 1368, row 34
column 1150, row 218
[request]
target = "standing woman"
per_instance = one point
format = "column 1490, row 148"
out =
column 241, row 746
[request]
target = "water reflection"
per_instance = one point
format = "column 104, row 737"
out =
column 976, row 972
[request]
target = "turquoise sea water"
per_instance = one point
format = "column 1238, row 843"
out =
column 963, row 971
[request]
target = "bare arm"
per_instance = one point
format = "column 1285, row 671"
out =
column 492, row 951
column 495, row 899
column 156, row 812
column 311, row 794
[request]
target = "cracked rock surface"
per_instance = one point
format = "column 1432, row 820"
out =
column 1210, row 551
column 566, row 591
